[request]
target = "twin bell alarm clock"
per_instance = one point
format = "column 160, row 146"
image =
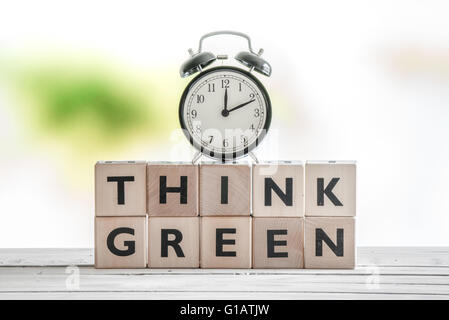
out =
column 225, row 111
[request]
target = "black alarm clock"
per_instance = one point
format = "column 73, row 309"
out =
column 225, row 111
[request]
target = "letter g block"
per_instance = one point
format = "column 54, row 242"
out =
column 120, row 242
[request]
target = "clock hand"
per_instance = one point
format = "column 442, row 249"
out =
column 225, row 111
column 241, row 105
column 226, row 100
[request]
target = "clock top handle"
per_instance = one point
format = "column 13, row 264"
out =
column 227, row 32
column 200, row 60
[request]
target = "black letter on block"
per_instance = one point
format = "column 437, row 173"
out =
column 131, row 245
column 174, row 243
column 328, row 191
column 321, row 236
column 120, row 187
column 163, row 189
column 271, row 243
column 286, row 197
column 220, row 242
column 224, row 190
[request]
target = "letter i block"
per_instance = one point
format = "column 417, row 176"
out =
column 173, row 242
column 225, row 242
column 278, row 243
column 172, row 189
column 329, row 243
column 120, row 242
column 225, row 189
column 330, row 189
column 278, row 189
column 120, row 188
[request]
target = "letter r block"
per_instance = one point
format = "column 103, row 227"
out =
column 225, row 189
column 173, row 242
column 278, row 189
column 225, row 242
column 329, row 243
column 120, row 242
column 172, row 189
column 330, row 189
column 120, row 188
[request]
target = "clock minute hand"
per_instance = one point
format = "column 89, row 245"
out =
column 241, row 105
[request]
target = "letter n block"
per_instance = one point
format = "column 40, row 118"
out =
column 172, row 189
column 330, row 189
column 278, row 189
column 278, row 243
column 225, row 189
column 120, row 242
column 225, row 242
column 329, row 243
column 174, row 242
column 120, row 188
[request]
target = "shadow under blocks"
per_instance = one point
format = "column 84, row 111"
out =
column 285, row 214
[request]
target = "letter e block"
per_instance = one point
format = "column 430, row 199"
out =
column 329, row 243
column 120, row 242
column 172, row 189
column 330, row 189
column 225, row 189
column 278, row 189
column 225, row 242
column 278, row 243
column 120, row 188
column 173, row 242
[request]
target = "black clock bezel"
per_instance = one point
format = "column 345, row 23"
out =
column 220, row 155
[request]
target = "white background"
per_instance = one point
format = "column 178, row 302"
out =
column 360, row 80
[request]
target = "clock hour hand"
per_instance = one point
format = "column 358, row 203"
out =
column 242, row 105
column 225, row 111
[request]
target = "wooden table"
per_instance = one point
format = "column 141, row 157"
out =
column 382, row 273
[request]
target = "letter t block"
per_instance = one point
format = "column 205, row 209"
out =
column 120, row 188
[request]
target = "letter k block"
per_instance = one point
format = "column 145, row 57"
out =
column 330, row 189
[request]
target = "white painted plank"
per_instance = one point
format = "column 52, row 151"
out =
column 366, row 256
column 212, row 295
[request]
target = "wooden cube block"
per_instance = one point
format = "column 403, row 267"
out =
column 278, row 189
column 225, row 189
column 120, row 242
column 330, row 189
column 225, row 242
column 329, row 243
column 172, row 189
column 174, row 242
column 278, row 242
column 120, row 188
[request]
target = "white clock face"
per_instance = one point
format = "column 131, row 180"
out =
column 225, row 111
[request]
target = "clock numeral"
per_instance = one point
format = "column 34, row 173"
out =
column 252, row 127
column 251, row 95
column 211, row 87
column 225, row 143
column 198, row 128
column 194, row 113
column 240, row 86
column 211, row 138
column 225, row 83
column 256, row 113
column 199, row 98
column 244, row 140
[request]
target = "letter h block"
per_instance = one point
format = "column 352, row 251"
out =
column 172, row 189
column 330, row 208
